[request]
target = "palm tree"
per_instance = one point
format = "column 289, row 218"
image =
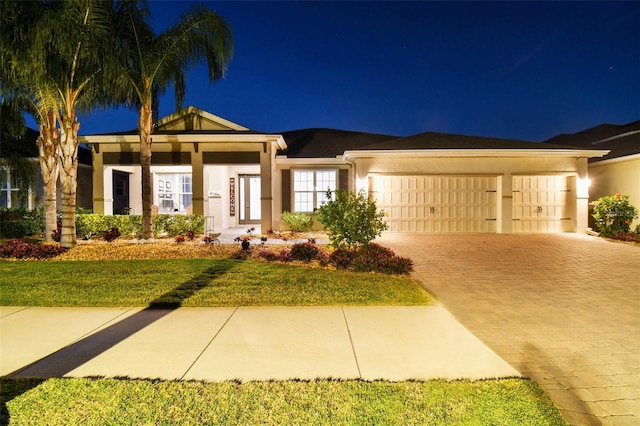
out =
column 147, row 63
column 61, row 68
column 26, row 92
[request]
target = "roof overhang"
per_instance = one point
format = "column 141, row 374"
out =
column 277, row 140
column 615, row 160
column 284, row 160
column 352, row 156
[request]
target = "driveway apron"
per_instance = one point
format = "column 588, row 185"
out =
column 563, row 309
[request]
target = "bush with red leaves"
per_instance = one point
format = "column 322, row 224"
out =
column 18, row 249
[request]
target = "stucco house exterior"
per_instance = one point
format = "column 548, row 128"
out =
column 430, row 182
column 619, row 170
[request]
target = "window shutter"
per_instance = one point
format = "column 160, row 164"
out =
column 286, row 190
column 343, row 179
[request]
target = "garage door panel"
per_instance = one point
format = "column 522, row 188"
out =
column 543, row 204
column 437, row 203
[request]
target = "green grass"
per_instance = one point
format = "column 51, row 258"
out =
column 322, row 402
column 197, row 282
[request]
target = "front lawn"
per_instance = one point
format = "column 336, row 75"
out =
column 321, row 402
column 197, row 282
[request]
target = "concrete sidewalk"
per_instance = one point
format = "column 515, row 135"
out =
column 246, row 343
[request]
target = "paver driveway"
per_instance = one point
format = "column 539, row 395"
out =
column 563, row 309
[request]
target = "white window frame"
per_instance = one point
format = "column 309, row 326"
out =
column 9, row 189
column 306, row 192
column 176, row 191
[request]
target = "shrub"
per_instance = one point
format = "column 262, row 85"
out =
column 376, row 258
column 131, row 225
column 628, row 236
column 297, row 222
column 191, row 235
column 341, row 258
column 322, row 257
column 285, row 256
column 269, row 256
column 15, row 248
column 241, row 254
column 305, row 252
column 179, row 239
column 613, row 214
column 88, row 225
column 19, row 249
column 111, row 234
column 173, row 225
column 351, row 219
column 57, row 233
column 18, row 223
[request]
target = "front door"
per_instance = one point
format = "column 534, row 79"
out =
column 120, row 193
column 249, row 197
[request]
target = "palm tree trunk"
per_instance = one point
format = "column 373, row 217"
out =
column 48, row 144
column 145, row 128
column 68, row 178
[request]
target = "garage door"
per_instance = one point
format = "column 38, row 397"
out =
column 437, row 203
column 543, row 204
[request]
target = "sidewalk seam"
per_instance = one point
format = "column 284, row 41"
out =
column 104, row 324
column 353, row 349
column 210, row 342
column 24, row 308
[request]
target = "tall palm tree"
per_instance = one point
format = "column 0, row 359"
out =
column 78, row 29
column 28, row 92
column 147, row 63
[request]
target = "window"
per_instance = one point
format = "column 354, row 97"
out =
column 10, row 195
column 310, row 187
column 173, row 192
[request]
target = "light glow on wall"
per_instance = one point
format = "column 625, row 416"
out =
column 362, row 183
column 583, row 187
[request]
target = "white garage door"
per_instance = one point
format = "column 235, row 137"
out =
column 543, row 204
column 437, row 203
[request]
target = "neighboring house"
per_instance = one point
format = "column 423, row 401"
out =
column 619, row 170
column 26, row 148
column 430, row 182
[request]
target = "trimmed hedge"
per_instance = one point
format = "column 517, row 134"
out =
column 130, row 226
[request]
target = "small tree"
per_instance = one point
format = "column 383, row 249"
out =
column 613, row 214
column 351, row 219
column 297, row 222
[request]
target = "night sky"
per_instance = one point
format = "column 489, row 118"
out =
column 514, row 70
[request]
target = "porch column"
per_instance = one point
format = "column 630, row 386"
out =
column 266, row 195
column 197, row 172
column 98, row 182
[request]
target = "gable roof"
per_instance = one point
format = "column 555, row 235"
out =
column 326, row 143
column 622, row 140
column 192, row 118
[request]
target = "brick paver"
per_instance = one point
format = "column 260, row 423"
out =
column 563, row 309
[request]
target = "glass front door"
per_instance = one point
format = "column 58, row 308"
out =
column 249, row 197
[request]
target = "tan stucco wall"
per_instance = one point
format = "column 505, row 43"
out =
column 616, row 177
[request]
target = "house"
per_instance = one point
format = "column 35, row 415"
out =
column 26, row 148
column 430, row 182
column 618, row 172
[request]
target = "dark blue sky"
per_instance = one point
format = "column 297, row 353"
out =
column 518, row 70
